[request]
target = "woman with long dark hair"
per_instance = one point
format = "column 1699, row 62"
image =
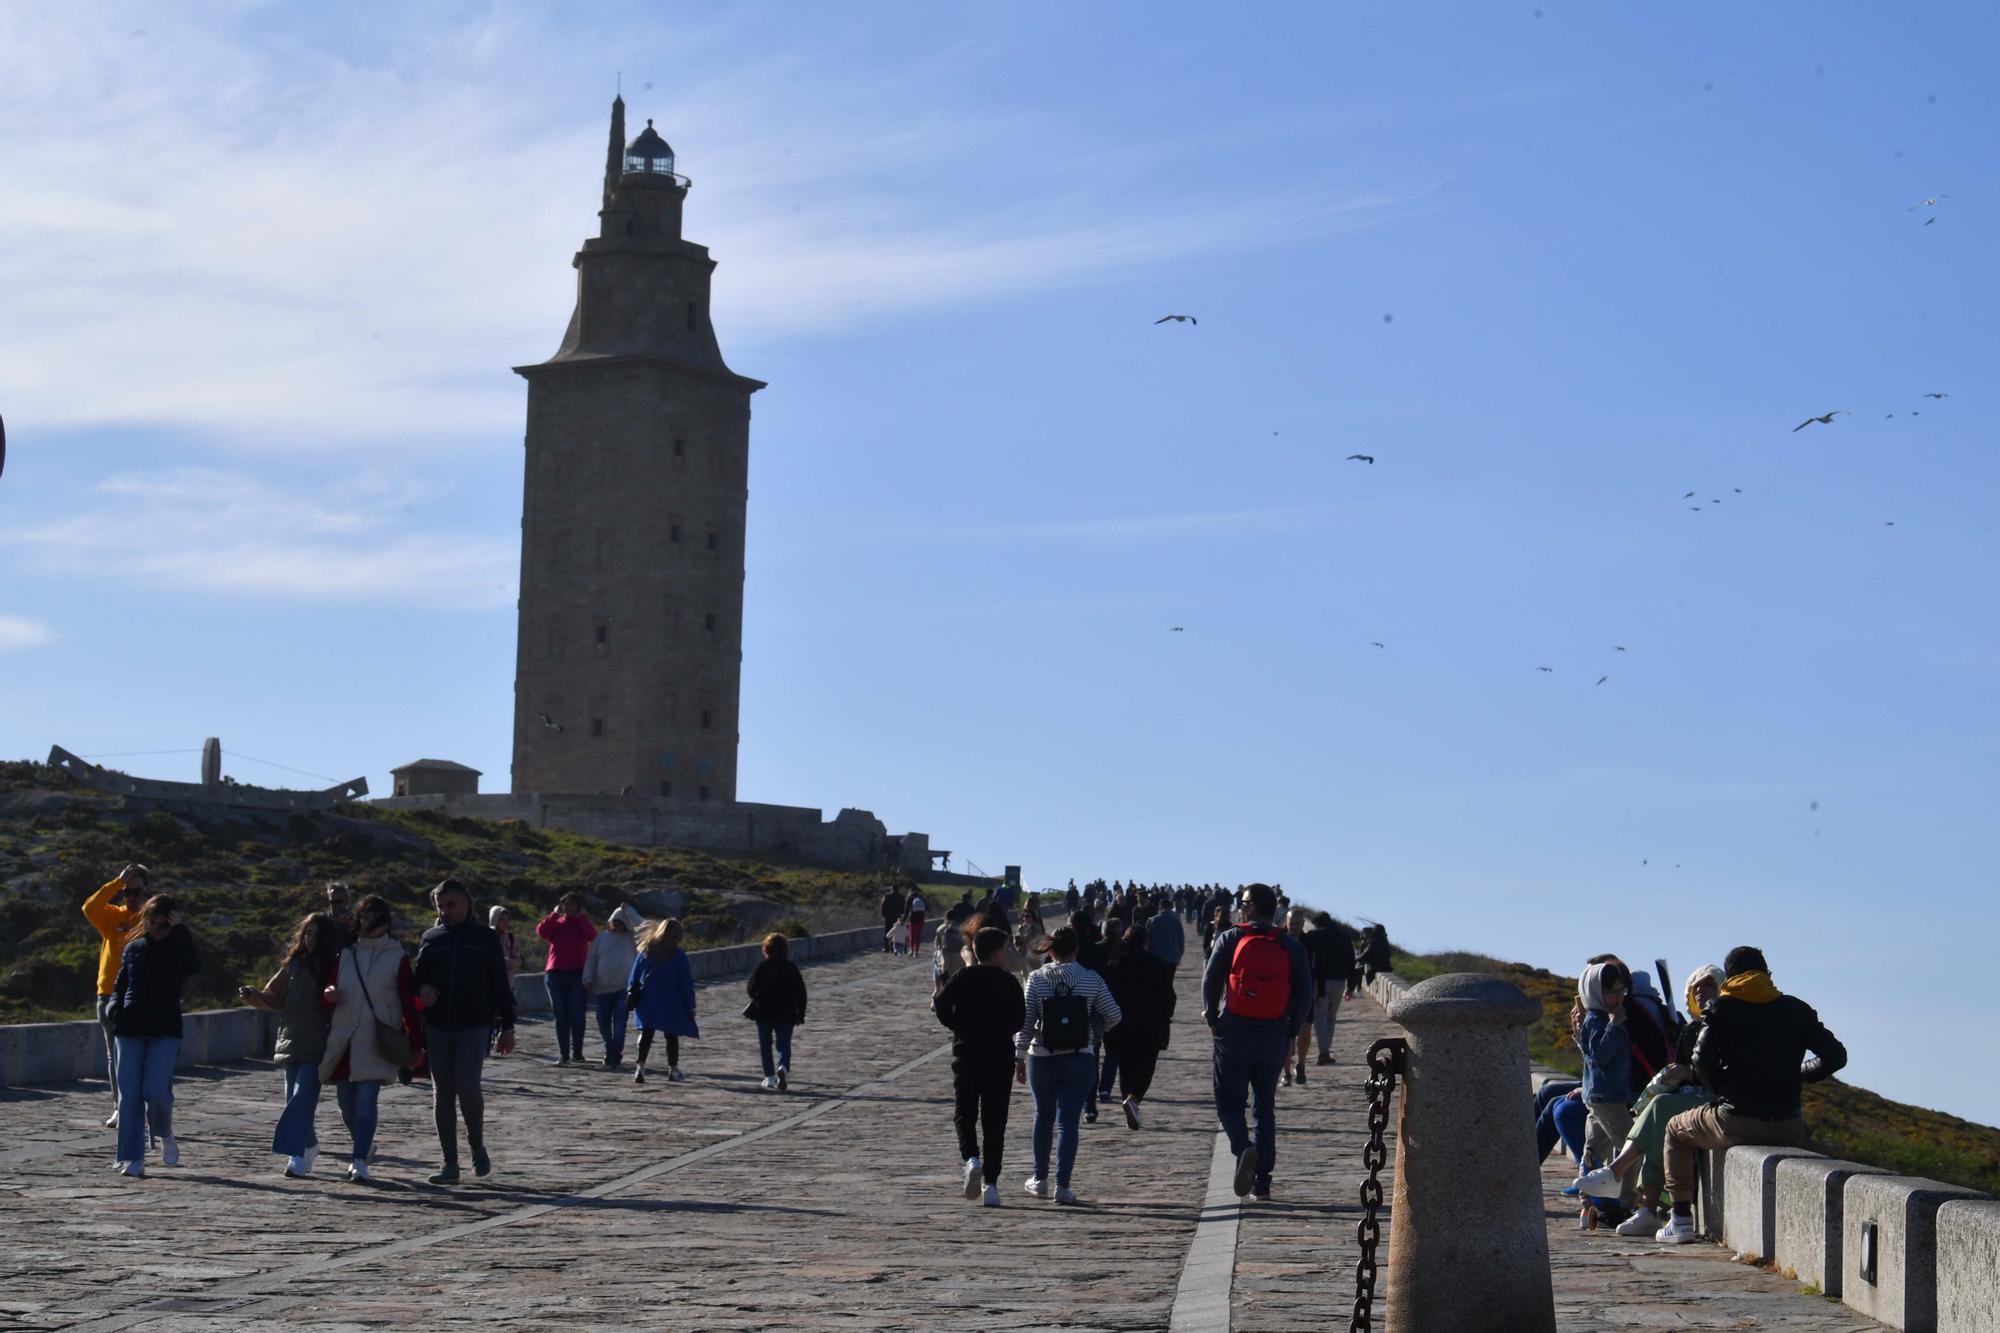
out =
column 293, row 993
column 1143, row 985
column 375, row 1032
column 146, row 1015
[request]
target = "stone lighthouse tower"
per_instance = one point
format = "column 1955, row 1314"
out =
column 630, row 650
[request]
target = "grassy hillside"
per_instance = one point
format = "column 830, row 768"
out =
column 1847, row 1122
column 246, row 881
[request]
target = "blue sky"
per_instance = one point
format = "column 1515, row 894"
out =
column 264, row 268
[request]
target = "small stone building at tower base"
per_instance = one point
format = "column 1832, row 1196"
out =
column 854, row 839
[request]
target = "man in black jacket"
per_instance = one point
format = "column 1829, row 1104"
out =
column 984, row 1008
column 1752, row 1054
column 892, row 912
column 1330, row 949
column 462, row 984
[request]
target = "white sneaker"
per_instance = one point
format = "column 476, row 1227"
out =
column 296, row 1168
column 1064, row 1194
column 1037, row 1186
column 311, row 1156
column 136, row 1170
column 770, row 1083
column 357, row 1171
column 111, row 1121
column 1678, row 1231
column 170, row 1151
column 1602, row 1183
column 1132, row 1120
column 1642, row 1223
column 992, row 1197
column 973, row 1171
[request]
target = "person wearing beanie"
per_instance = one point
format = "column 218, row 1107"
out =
column 607, row 967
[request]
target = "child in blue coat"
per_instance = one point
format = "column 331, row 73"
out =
column 660, row 994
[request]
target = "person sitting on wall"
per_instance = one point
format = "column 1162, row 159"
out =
column 1751, row 1055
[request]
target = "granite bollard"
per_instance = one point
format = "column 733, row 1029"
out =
column 1468, row 1243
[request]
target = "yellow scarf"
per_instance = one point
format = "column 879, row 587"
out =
column 1751, row 988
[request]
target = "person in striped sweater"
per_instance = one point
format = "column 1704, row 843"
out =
column 1069, row 1009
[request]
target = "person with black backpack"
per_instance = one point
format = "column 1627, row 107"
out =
column 1069, row 1008
column 1257, row 994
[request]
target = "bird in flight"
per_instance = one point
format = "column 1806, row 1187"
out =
column 1937, row 395
column 1926, row 203
column 1365, row 458
column 1694, row 509
column 1177, row 629
column 549, row 723
column 1826, row 420
column 1180, row 319
column 1737, row 489
column 1617, row 647
column 1602, row 679
column 1550, row 670
column 1378, row 644
column 1688, row 496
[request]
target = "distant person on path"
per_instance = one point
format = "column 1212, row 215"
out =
column 501, row 922
column 607, row 972
column 1069, row 1008
column 462, row 982
column 1165, row 939
column 777, row 1005
column 375, row 1031
column 293, row 993
column 947, row 956
column 1295, row 1060
column 1752, row 1055
column 569, row 932
column 892, row 912
column 1143, row 985
column 340, row 906
column 146, row 1014
column 661, row 993
column 1256, row 994
column 1217, row 923
column 914, row 908
column 1093, row 952
column 1376, row 956
column 1029, row 929
column 116, row 920
column 1330, row 949
column 983, row 1006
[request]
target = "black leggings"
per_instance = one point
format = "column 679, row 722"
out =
column 1136, row 1063
column 981, row 1085
column 673, row 1047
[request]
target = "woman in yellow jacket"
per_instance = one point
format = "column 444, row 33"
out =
column 117, row 923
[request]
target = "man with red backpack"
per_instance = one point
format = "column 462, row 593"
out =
column 1257, row 994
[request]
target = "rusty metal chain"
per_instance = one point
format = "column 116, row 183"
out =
column 1386, row 1059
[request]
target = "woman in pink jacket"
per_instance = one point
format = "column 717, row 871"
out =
column 569, row 934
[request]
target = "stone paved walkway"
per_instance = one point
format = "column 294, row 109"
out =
column 710, row 1204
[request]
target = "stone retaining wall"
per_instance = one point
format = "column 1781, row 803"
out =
column 60, row 1052
column 1915, row 1254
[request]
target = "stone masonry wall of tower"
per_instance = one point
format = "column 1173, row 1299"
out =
column 629, row 656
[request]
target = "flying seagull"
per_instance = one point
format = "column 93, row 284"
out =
column 1602, row 679
column 1617, row 647
column 1937, row 395
column 1929, row 221
column 1378, row 644
column 1551, row 670
column 1826, row 420
column 1177, row 629
column 549, row 723
column 1926, row 203
column 1688, row 496
column 1181, row 319
column 1366, row 458
column 1738, row 489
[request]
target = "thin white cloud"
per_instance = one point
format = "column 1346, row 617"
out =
column 19, row 633
column 207, row 530
column 290, row 243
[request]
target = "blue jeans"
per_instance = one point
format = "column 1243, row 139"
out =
column 566, row 1000
column 1060, row 1083
column 1548, row 1101
column 295, row 1132
column 782, row 1033
column 1247, row 1062
column 610, row 1024
column 457, row 1057
column 145, row 1092
column 1107, row 1078
column 357, row 1108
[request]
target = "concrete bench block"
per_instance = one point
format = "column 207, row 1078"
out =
column 1902, row 1213
column 1750, row 1191
column 1711, row 1192
column 1807, row 1237
column 50, row 1052
column 1968, row 1266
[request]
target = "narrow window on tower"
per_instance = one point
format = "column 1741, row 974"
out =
column 707, row 717
column 603, row 634
column 680, row 448
column 673, row 534
column 714, row 543
column 704, row 793
column 694, row 316
column 666, row 787
column 708, row 622
column 597, row 726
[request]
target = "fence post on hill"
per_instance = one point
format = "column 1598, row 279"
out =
column 1468, row 1239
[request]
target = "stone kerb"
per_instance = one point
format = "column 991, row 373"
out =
column 1386, row 988
column 1806, row 1235
column 1750, row 1198
column 1468, row 1243
column 1968, row 1266
column 1903, row 1211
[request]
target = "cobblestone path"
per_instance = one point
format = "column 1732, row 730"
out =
column 711, row 1204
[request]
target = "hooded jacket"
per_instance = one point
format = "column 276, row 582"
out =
column 1607, row 1046
column 1752, row 1049
column 607, row 963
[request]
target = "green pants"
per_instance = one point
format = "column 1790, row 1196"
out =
column 1649, row 1131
